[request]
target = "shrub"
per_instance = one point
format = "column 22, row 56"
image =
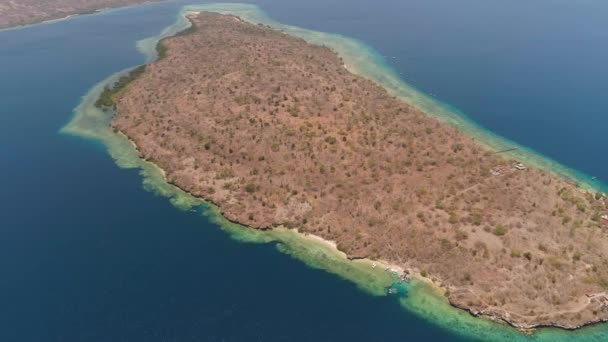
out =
column 500, row 230
column 420, row 216
column 476, row 219
column 438, row 204
column 330, row 140
column 581, row 207
column 453, row 218
column 457, row 147
column 461, row 235
column 250, row 188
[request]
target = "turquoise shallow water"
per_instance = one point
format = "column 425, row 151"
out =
column 88, row 256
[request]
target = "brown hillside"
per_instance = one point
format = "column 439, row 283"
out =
column 276, row 131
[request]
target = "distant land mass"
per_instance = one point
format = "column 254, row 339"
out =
column 278, row 132
column 24, row 12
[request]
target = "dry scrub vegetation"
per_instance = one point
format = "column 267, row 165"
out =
column 276, row 131
column 23, row 12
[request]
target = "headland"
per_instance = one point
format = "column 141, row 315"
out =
column 26, row 12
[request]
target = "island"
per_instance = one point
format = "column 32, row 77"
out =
column 276, row 131
column 25, row 12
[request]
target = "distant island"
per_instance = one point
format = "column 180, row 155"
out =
column 25, row 12
column 277, row 132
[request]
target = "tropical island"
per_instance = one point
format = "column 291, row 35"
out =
column 278, row 132
column 25, row 12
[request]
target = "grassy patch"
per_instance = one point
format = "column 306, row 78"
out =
column 106, row 99
column 161, row 50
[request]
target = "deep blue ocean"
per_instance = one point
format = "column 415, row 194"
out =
column 86, row 254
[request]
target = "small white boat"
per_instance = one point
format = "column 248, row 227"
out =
column 391, row 291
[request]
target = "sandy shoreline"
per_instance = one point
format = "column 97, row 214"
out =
column 392, row 268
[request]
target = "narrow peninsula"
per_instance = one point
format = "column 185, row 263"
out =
column 25, row 12
column 278, row 132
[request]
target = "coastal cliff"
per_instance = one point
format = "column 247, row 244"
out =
column 277, row 131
